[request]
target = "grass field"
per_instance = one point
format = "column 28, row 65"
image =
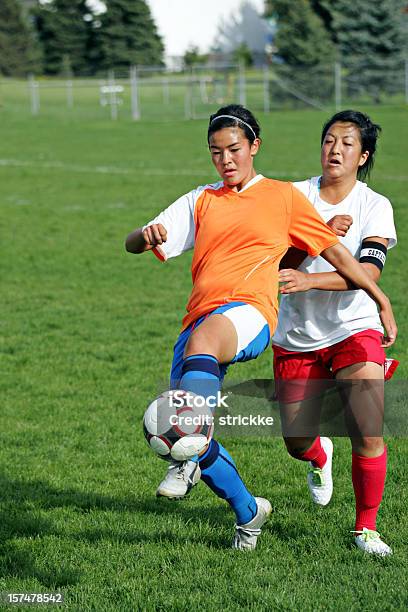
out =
column 87, row 336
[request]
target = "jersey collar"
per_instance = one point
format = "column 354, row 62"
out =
column 250, row 183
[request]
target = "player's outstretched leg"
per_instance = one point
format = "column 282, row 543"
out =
column 219, row 472
column 201, row 375
column 246, row 535
column 181, row 477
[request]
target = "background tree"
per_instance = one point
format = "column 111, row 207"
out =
column 129, row 35
column 64, row 29
column 302, row 39
column 193, row 57
column 18, row 52
column 324, row 9
column 370, row 40
column 305, row 51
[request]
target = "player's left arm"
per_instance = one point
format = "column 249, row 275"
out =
column 307, row 230
column 340, row 224
column 296, row 281
column 341, row 259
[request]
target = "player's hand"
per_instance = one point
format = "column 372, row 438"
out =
column 390, row 326
column 340, row 224
column 155, row 235
column 294, row 280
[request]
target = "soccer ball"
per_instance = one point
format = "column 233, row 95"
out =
column 178, row 425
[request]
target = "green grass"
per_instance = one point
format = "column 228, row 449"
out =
column 87, row 337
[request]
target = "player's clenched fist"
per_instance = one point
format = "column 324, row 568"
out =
column 155, row 234
column 340, row 224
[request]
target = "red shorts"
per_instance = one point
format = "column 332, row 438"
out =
column 321, row 365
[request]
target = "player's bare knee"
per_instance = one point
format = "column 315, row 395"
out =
column 216, row 336
column 200, row 344
column 368, row 446
column 296, row 447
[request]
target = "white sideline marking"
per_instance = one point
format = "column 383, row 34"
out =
column 74, row 207
column 142, row 169
column 55, row 165
column 18, row 201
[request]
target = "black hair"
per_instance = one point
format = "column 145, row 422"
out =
column 369, row 133
column 239, row 116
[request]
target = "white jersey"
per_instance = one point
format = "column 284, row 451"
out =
column 316, row 319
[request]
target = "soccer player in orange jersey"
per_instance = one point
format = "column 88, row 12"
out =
column 239, row 228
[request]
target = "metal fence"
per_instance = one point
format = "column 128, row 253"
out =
column 154, row 93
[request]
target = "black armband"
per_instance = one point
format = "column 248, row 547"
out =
column 373, row 253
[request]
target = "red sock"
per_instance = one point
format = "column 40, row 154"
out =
column 316, row 454
column 368, row 474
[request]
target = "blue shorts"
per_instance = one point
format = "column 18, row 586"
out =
column 252, row 331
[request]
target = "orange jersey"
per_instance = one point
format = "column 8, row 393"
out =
column 239, row 239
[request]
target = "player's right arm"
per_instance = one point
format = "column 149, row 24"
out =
column 171, row 232
column 145, row 239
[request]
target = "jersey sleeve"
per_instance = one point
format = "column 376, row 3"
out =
column 178, row 220
column 379, row 220
column 307, row 230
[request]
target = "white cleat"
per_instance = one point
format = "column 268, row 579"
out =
column 180, row 479
column 370, row 542
column 320, row 481
column 247, row 535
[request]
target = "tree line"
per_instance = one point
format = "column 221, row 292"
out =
column 367, row 38
column 64, row 37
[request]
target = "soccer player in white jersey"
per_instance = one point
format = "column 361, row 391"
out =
column 327, row 329
column 239, row 228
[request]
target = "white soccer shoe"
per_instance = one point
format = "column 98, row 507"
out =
column 247, row 535
column 320, row 481
column 370, row 542
column 180, row 479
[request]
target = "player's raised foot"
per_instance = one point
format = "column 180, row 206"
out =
column 370, row 542
column 246, row 536
column 320, row 481
column 180, row 479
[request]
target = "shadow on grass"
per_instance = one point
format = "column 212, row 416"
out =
column 21, row 501
column 18, row 523
column 18, row 563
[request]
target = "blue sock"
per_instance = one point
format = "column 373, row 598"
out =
column 201, row 375
column 220, row 474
